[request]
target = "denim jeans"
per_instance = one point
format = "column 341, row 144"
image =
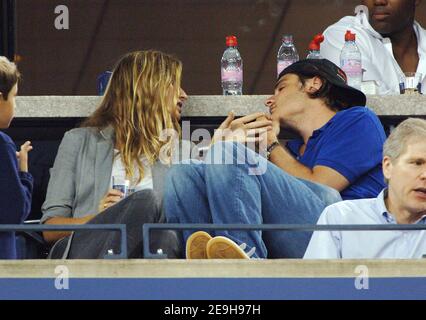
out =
column 208, row 192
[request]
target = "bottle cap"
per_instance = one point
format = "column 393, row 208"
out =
column 319, row 38
column 288, row 38
column 314, row 46
column 231, row 41
column 349, row 36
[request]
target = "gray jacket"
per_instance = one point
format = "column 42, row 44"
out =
column 81, row 175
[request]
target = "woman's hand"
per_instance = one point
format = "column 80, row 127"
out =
column 22, row 156
column 112, row 197
column 250, row 128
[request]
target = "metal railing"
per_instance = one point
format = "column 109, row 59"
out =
column 147, row 227
column 83, row 227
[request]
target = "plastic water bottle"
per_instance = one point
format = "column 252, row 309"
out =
column 314, row 51
column 232, row 69
column 287, row 54
column 315, row 47
column 350, row 61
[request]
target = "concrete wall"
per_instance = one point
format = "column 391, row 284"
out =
column 213, row 280
column 204, row 106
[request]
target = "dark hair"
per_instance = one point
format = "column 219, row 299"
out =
column 9, row 76
column 327, row 92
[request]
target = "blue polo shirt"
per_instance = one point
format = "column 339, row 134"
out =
column 350, row 143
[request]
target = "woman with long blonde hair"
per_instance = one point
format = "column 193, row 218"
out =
column 122, row 140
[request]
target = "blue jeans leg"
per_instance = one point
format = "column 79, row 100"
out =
column 188, row 198
column 270, row 197
column 185, row 199
column 232, row 193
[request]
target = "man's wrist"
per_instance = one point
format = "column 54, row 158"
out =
column 271, row 138
column 271, row 147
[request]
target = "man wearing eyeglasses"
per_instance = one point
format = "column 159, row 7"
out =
column 402, row 202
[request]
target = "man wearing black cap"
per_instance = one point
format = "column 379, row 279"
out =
column 340, row 149
column 332, row 123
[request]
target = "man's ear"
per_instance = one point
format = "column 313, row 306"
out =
column 314, row 84
column 387, row 167
column 417, row 2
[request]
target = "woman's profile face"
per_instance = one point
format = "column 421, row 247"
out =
column 176, row 101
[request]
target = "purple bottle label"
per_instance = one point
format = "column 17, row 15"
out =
column 232, row 75
column 352, row 67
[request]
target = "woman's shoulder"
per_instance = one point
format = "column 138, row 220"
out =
column 84, row 133
column 83, row 136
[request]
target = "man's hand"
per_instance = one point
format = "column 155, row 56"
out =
column 244, row 129
column 272, row 135
column 22, row 156
column 112, row 197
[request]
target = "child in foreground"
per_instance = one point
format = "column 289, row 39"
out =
column 16, row 183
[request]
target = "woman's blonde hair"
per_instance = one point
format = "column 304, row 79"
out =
column 137, row 105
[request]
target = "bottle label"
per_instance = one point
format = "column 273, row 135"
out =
column 232, row 75
column 352, row 67
column 281, row 65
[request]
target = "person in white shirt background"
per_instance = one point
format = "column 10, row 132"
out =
column 403, row 202
column 390, row 40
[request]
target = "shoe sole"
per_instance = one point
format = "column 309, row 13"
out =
column 224, row 248
column 196, row 245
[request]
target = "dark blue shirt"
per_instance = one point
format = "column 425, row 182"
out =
column 352, row 144
column 15, row 195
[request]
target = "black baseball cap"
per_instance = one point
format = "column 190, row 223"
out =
column 333, row 74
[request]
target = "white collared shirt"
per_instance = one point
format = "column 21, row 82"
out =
column 118, row 170
column 377, row 56
column 364, row 244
